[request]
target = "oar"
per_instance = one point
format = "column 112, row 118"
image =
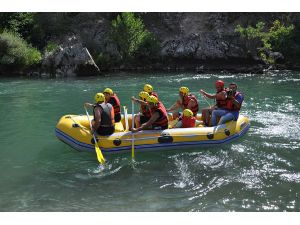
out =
column 126, row 118
column 132, row 126
column 97, row 149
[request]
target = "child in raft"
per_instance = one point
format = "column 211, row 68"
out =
column 187, row 120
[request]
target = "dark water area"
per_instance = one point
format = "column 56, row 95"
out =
column 259, row 172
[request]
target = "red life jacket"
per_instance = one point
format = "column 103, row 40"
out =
column 115, row 102
column 187, row 99
column 221, row 103
column 145, row 111
column 163, row 119
column 230, row 106
column 107, row 114
column 188, row 122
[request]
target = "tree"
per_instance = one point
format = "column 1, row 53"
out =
column 129, row 34
column 276, row 38
column 21, row 23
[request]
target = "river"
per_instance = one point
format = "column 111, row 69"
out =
column 259, row 172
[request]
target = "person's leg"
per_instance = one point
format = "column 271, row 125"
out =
column 205, row 115
column 137, row 121
column 215, row 114
column 227, row 117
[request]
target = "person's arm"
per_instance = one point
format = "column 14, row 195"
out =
column 207, row 94
column 175, row 106
column 146, row 125
column 97, row 119
column 237, row 101
column 141, row 102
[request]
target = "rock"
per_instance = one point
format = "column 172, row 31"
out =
column 190, row 39
column 71, row 60
column 277, row 56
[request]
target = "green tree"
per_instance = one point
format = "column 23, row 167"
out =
column 131, row 37
column 15, row 51
column 21, row 23
column 276, row 38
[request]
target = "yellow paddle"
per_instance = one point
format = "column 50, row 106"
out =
column 132, row 126
column 97, row 149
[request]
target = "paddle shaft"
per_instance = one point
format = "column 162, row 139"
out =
column 132, row 126
column 126, row 119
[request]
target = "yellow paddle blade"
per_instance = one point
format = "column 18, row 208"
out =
column 132, row 151
column 99, row 154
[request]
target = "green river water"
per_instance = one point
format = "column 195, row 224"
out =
column 259, row 172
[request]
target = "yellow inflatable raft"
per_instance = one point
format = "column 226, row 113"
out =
column 74, row 131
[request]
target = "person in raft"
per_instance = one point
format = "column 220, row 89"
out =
column 144, row 114
column 159, row 116
column 104, row 122
column 149, row 89
column 220, row 98
column 233, row 105
column 187, row 119
column 113, row 99
column 186, row 101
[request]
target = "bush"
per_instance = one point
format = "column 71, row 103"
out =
column 106, row 61
column 276, row 38
column 129, row 34
column 50, row 47
column 148, row 49
column 15, row 51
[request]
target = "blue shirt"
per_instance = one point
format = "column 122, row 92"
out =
column 240, row 98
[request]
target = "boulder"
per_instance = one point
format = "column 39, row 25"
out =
column 277, row 56
column 70, row 60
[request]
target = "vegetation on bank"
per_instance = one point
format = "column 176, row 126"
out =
column 275, row 39
column 15, row 51
column 133, row 41
column 16, row 35
column 26, row 37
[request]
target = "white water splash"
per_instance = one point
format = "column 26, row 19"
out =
column 291, row 177
column 184, row 176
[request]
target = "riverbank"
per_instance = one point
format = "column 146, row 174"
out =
column 88, row 44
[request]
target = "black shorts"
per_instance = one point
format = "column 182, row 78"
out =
column 117, row 117
column 106, row 130
column 144, row 119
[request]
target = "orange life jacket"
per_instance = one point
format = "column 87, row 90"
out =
column 163, row 119
column 187, row 99
column 230, row 106
column 145, row 111
column 115, row 102
column 188, row 122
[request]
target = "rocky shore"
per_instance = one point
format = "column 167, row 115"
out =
column 200, row 42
